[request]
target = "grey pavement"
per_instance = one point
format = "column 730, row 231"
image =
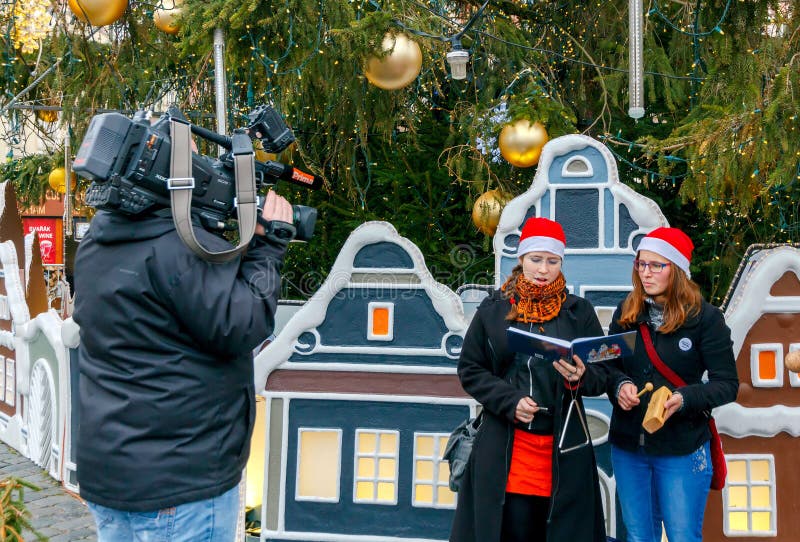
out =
column 55, row 512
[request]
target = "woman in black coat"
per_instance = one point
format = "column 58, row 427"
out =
column 519, row 484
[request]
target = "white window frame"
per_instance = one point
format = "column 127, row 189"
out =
column 297, row 496
column 370, row 309
column 575, row 174
column 11, row 382
column 376, row 456
column 5, row 312
column 794, row 378
column 3, row 378
column 435, row 484
column 758, row 382
column 771, row 483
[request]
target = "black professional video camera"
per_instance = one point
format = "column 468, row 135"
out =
column 129, row 162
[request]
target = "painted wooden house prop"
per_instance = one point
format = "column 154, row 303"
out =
column 761, row 430
column 577, row 184
column 34, row 365
column 361, row 395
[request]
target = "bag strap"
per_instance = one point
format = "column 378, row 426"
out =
column 660, row 366
column 181, row 184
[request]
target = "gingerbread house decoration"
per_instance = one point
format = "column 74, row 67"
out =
column 577, row 184
column 361, row 393
column 761, row 430
column 34, row 365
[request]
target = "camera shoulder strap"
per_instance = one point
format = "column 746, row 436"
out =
column 181, row 184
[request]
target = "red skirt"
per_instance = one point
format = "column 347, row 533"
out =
column 531, row 470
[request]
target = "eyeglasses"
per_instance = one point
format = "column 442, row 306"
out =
column 655, row 267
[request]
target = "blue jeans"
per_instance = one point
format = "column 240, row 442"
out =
column 209, row 520
column 671, row 488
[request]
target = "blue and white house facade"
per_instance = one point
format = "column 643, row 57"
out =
column 577, row 184
column 361, row 394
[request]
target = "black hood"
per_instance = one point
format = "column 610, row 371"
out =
column 108, row 228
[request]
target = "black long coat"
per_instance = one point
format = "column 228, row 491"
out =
column 576, row 512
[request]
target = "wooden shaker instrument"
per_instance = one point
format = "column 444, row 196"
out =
column 654, row 417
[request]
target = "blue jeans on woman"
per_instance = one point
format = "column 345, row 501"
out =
column 209, row 520
column 668, row 488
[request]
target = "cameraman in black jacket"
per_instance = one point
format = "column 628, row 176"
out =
column 167, row 401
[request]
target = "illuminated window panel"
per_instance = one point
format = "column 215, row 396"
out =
column 431, row 473
column 319, row 453
column 380, row 322
column 766, row 365
column 376, row 463
column 11, row 382
column 748, row 499
column 794, row 378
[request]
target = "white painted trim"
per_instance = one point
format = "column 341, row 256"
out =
column 367, row 367
column 297, row 496
column 739, row 422
column 284, row 462
column 611, row 516
column 574, row 174
column 424, row 399
column 782, row 304
column 265, row 488
column 376, row 457
column 370, row 312
column 794, row 378
column 771, row 483
column 758, row 382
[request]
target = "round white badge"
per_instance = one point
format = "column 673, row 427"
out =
column 685, row 344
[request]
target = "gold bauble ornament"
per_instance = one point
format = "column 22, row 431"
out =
column 98, row 12
column 47, row 115
column 792, row 361
column 521, row 142
column 399, row 67
column 486, row 211
column 166, row 16
column 56, row 180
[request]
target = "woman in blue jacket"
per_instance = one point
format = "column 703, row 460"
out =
column 665, row 476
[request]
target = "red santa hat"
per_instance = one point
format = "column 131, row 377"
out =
column 542, row 234
column 672, row 244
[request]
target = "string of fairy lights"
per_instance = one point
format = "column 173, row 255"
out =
column 273, row 66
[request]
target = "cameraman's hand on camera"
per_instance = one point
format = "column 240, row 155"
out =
column 275, row 208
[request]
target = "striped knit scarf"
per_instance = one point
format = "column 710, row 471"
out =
column 537, row 304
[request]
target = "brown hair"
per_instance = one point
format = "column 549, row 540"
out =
column 683, row 301
column 509, row 290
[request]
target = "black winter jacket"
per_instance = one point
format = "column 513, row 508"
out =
column 576, row 512
column 167, row 403
column 702, row 344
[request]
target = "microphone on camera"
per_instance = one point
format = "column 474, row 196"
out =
column 286, row 172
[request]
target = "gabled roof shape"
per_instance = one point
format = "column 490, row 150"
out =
column 751, row 297
column 374, row 258
column 578, row 162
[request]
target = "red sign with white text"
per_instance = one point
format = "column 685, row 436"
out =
column 50, row 234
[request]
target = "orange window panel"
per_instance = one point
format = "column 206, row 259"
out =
column 767, row 366
column 380, row 321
